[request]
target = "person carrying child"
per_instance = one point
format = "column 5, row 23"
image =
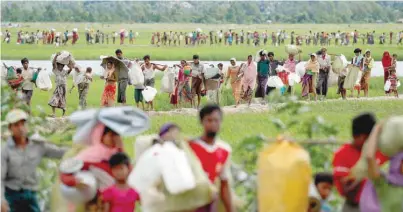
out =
column 83, row 84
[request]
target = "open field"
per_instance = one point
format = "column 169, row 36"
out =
column 142, row 46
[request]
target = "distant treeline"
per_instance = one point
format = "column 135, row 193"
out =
column 255, row 12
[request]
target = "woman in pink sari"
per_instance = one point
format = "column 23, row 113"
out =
column 248, row 80
column 386, row 63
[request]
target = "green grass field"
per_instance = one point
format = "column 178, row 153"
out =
column 142, row 46
column 161, row 103
column 238, row 126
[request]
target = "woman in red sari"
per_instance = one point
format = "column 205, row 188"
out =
column 386, row 63
column 108, row 96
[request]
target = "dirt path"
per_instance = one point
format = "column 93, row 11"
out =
column 258, row 108
column 253, row 108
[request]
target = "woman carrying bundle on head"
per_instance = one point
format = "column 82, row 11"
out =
column 58, row 99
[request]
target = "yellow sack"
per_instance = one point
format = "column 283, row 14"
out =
column 57, row 202
column 284, row 176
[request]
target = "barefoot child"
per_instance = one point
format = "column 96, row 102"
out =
column 393, row 82
column 120, row 197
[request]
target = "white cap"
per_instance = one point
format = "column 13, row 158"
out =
column 15, row 116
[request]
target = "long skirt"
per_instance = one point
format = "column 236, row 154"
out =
column 58, row 99
column 322, row 86
column 236, row 90
column 385, row 77
column 340, row 84
column 364, row 83
column 184, row 91
column 174, row 96
column 247, row 94
column 122, row 85
column 308, row 85
column 196, row 85
column 261, row 87
column 109, row 94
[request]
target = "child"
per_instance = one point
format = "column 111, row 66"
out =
column 83, row 81
column 174, row 96
column 120, row 197
column 321, row 191
column 17, row 82
column 393, row 82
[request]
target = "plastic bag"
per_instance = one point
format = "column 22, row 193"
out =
column 333, row 79
column 64, row 58
column 391, row 137
column 275, row 82
column 176, row 172
column 360, row 169
column 11, row 73
column 149, row 93
column 284, row 176
column 398, row 84
column 76, row 196
column 136, row 75
column 211, row 72
column 293, row 79
column 35, row 76
column 201, row 195
column 291, row 49
column 387, row 85
column 168, row 82
column 339, row 63
column 300, row 69
column 43, row 81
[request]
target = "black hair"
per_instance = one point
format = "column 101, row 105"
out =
column 118, row 51
column 357, row 50
column 106, row 130
column 323, row 177
column 394, row 55
column 146, row 57
column 209, row 109
column 195, row 57
column 363, row 124
column 270, row 54
column 19, row 70
column 118, row 159
column 89, row 69
column 24, row 60
column 220, row 64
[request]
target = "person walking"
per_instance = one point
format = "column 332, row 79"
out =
column 27, row 84
column 20, row 156
column 123, row 77
column 324, row 69
column 58, row 99
column 198, row 79
column 83, row 81
column 387, row 65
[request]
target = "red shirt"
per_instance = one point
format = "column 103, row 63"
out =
column 214, row 158
column 344, row 159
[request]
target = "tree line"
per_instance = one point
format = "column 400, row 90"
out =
column 256, row 12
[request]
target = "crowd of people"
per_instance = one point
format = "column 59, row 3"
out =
column 264, row 38
column 253, row 79
column 221, row 37
column 122, row 184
